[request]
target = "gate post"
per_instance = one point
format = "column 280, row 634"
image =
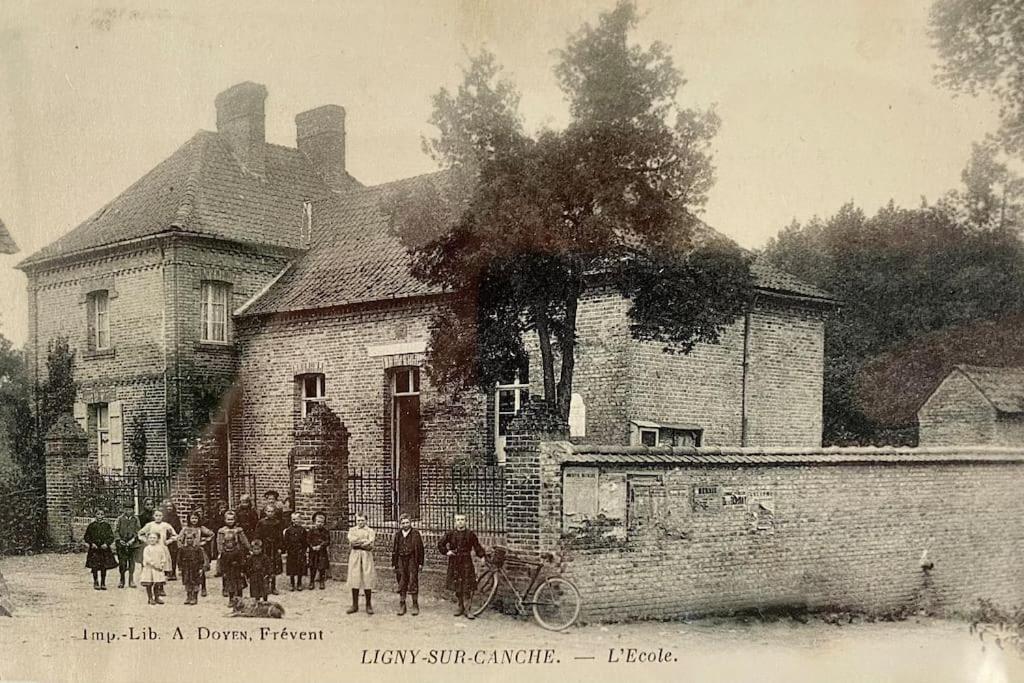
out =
column 318, row 465
column 67, row 459
column 530, row 527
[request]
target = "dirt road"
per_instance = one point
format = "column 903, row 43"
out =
column 65, row 631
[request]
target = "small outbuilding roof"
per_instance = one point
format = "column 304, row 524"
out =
column 7, row 244
column 1002, row 387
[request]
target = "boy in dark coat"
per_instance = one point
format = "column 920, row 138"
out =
column 319, row 540
column 295, row 545
column 99, row 537
column 258, row 570
column 233, row 546
column 407, row 559
column 246, row 515
column 270, row 531
column 459, row 545
column 146, row 515
column 127, row 544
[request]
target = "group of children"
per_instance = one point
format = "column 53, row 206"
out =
column 248, row 547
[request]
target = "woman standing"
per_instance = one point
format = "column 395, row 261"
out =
column 362, row 576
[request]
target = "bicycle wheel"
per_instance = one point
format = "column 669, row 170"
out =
column 556, row 604
column 486, row 586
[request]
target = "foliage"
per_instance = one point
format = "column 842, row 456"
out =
column 981, row 50
column 1004, row 627
column 92, row 492
column 16, row 407
column 58, row 390
column 520, row 223
column 22, row 514
column 901, row 274
column 137, row 443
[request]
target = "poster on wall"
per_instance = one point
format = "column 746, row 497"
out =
column 579, row 496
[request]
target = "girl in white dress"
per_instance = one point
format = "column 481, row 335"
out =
column 164, row 533
column 155, row 561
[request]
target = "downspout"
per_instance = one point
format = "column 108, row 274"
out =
column 744, row 426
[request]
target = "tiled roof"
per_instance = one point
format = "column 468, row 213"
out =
column 354, row 259
column 7, row 244
column 1002, row 387
column 203, row 189
column 754, row 456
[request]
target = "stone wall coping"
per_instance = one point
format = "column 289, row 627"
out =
column 758, row 456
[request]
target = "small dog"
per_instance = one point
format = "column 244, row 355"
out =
column 251, row 607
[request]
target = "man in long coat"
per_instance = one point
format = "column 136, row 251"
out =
column 407, row 559
column 459, row 545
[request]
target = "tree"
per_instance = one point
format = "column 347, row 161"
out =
column 520, row 224
column 992, row 194
column 901, row 274
column 58, row 390
column 981, row 49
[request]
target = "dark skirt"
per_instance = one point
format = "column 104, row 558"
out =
column 296, row 563
column 461, row 576
column 100, row 558
column 192, row 563
column 232, row 565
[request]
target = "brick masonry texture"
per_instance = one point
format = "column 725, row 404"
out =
column 848, row 530
column 957, row 412
column 156, row 364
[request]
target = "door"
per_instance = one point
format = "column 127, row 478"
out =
column 406, row 443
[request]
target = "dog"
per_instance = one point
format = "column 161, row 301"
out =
column 251, row 607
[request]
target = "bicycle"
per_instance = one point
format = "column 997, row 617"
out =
column 556, row 601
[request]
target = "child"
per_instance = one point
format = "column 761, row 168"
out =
column 171, row 517
column 165, row 534
column 233, row 546
column 407, row 559
column 154, row 564
column 146, row 515
column 100, row 539
column 270, row 530
column 361, row 573
column 192, row 558
column 127, row 545
column 216, row 522
column 459, row 545
column 259, row 570
column 295, row 544
column 319, row 539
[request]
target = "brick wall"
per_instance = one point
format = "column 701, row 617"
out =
column 156, row 360
column 343, row 347
column 806, row 529
column 957, row 413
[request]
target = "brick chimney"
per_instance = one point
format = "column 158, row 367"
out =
column 320, row 135
column 240, row 118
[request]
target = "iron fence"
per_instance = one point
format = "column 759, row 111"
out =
column 477, row 491
column 110, row 492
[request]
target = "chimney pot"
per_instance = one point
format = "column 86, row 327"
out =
column 320, row 135
column 241, row 118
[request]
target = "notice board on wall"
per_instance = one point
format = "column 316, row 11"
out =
column 580, row 500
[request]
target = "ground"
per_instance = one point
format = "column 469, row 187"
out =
column 58, row 618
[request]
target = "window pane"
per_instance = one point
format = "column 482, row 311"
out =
column 218, row 332
column 415, row 372
column 506, row 401
column 102, row 416
column 402, row 382
column 648, row 437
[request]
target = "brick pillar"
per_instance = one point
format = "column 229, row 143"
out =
column 202, row 477
column 67, row 459
column 527, row 529
column 320, row 458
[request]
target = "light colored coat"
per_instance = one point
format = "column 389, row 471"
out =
column 362, row 575
column 155, row 561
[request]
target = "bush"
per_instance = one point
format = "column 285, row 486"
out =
column 22, row 515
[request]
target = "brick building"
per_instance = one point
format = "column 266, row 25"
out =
column 975, row 405
column 327, row 312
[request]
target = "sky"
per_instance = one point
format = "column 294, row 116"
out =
column 821, row 102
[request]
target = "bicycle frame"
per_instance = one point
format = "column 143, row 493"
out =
column 521, row 598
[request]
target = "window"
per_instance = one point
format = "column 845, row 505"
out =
column 406, row 382
column 103, row 433
column 215, row 312
column 509, row 399
column 648, row 437
column 644, row 433
column 311, row 391
column 674, row 436
column 99, row 320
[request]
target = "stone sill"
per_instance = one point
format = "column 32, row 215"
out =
column 215, row 347
column 96, row 355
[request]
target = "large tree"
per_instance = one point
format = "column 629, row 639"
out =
column 981, row 50
column 902, row 274
column 521, row 224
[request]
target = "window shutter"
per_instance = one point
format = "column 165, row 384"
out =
column 577, row 416
column 116, row 435
column 80, row 411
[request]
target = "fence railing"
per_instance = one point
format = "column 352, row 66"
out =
column 477, row 491
column 110, row 492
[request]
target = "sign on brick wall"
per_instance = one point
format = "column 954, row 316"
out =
column 579, row 496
